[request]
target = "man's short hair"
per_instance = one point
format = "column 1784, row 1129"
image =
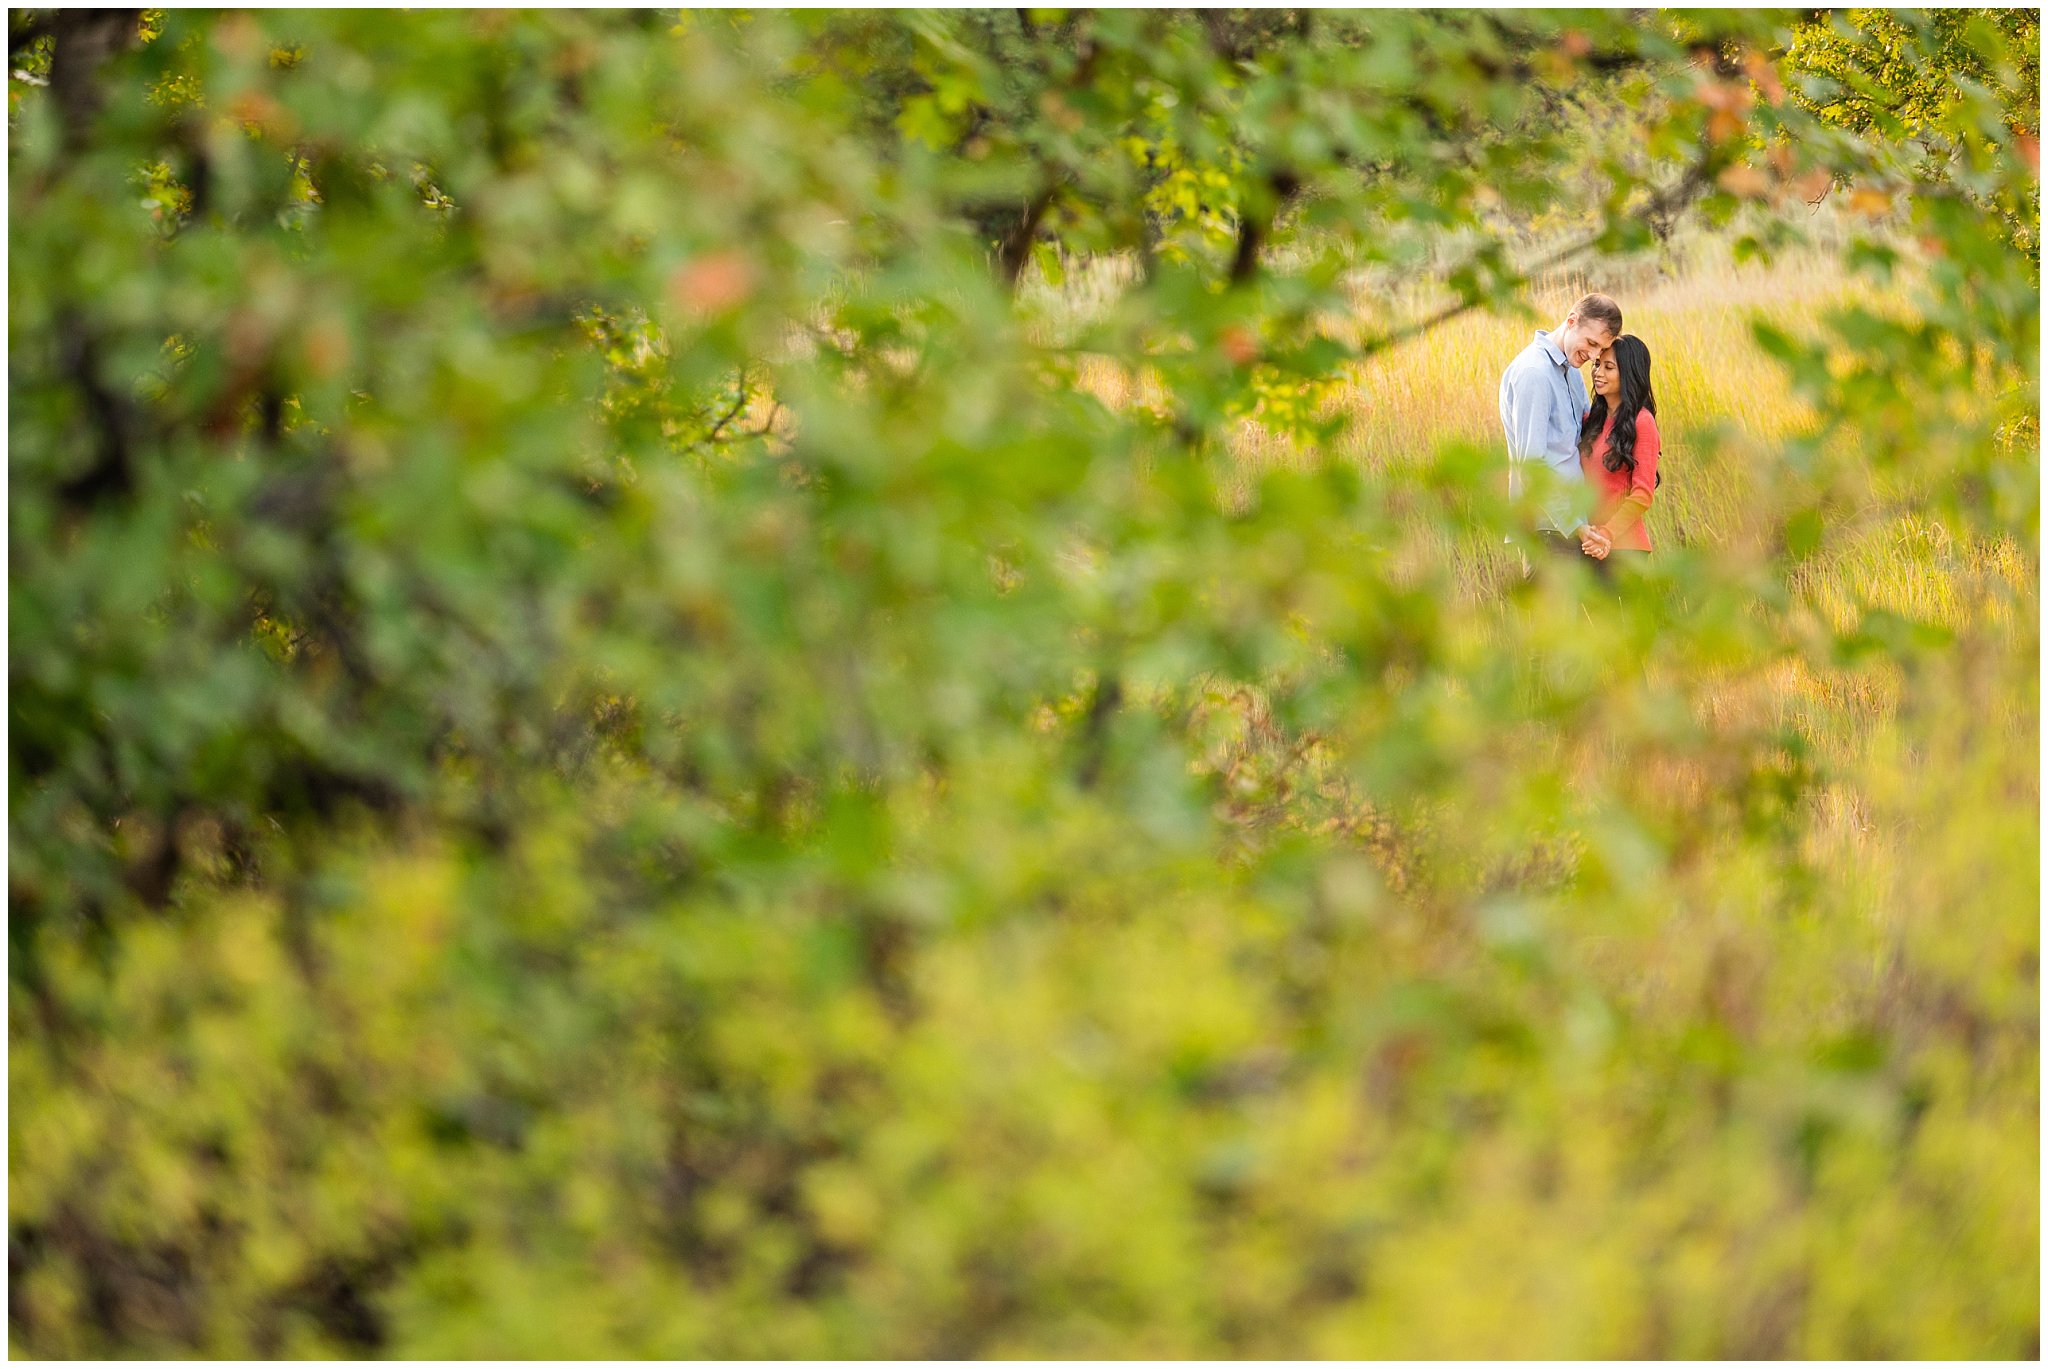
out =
column 1599, row 307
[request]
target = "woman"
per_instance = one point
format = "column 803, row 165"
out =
column 1618, row 446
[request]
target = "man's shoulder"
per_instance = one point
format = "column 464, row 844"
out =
column 1530, row 358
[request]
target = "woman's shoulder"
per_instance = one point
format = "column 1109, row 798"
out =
column 1646, row 428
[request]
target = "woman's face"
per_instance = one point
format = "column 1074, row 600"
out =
column 1607, row 376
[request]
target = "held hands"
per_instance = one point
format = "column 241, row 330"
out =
column 1596, row 542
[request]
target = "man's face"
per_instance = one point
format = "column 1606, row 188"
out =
column 1584, row 339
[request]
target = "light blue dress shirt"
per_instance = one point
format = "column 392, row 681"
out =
column 1542, row 403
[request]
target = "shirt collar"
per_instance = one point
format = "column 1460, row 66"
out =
column 1551, row 347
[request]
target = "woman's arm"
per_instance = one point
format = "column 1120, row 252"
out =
column 1626, row 515
column 1642, row 486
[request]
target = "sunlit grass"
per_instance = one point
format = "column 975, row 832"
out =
column 1727, row 414
column 1706, row 366
column 1711, row 378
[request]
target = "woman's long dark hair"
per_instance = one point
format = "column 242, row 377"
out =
column 1632, row 358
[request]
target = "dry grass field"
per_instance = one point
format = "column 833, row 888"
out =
column 1923, row 829
column 1919, row 837
column 1724, row 408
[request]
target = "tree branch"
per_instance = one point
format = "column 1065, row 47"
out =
column 23, row 31
column 111, row 416
column 738, row 404
column 1253, row 228
column 1670, row 200
column 1016, row 245
column 85, row 40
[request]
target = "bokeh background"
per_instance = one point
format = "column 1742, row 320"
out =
column 747, row 684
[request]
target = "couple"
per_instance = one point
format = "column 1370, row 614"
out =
column 1604, row 452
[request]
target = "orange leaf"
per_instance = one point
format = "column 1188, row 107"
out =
column 1813, row 186
column 712, row 284
column 325, row 346
column 1729, row 96
column 1764, row 72
column 1745, row 181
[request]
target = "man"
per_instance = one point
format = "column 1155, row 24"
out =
column 1542, row 403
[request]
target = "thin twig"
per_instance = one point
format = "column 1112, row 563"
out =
column 1667, row 201
column 732, row 413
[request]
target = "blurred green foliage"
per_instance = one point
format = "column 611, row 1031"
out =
column 1957, row 90
column 614, row 751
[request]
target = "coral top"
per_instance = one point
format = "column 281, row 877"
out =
column 1619, row 499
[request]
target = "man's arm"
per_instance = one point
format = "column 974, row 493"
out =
column 1527, row 420
column 1527, row 417
column 1530, row 398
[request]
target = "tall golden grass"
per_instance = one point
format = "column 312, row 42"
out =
column 1696, row 311
column 1697, row 317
